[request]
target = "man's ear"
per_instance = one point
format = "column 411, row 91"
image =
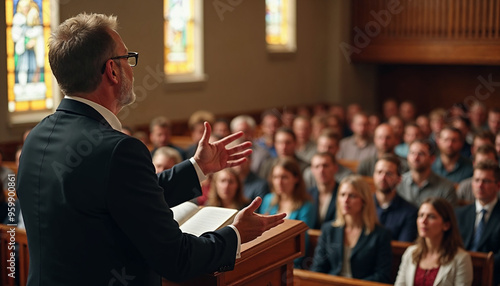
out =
column 111, row 72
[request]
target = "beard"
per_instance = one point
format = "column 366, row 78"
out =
column 127, row 94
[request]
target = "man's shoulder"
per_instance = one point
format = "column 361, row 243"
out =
column 404, row 205
column 440, row 181
column 464, row 212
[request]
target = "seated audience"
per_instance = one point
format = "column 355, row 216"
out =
column 424, row 125
column 246, row 124
column 463, row 125
column 354, row 245
column 398, row 126
column 4, row 173
column 481, row 138
column 287, row 117
column 324, row 194
column 407, row 111
column 196, row 127
column 450, row 163
column 358, row 146
column 497, row 143
column 328, row 141
column 318, row 124
column 270, row 122
column 484, row 153
column 478, row 115
column 494, row 120
column 411, row 133
column 284, row 142
column 437, row 258
column 220, row 128
column 393, row 212
column 373, row 122
column 421, row 182
column 165, row 158
column 334, row 123
column 253, row 185
column 160, row 135
column 4, row 207
column 384, row 141
column 305, row 147
column 390, row 108
column 288, row 195
column 437, row 121
column 226, row 190
column 480, row 222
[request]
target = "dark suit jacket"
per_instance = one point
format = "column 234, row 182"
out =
column 97, row 214
column 490, row 240
column 370, row 257
column 400, row 218
column 254, row 186
column 332, row 207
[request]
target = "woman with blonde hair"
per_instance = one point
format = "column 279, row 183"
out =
column 226, row 190
column 437, row 258
column 354, row 245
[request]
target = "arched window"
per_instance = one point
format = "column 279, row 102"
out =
column 280, row 25
column 30, row 86
column 183, row 45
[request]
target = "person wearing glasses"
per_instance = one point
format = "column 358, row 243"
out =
column 94, row 209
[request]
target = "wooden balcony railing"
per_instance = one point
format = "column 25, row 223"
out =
column 426, row 31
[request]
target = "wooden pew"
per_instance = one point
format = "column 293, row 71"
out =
column 350, row 164
column 309, row 278
column 370, row 182
column 22, row 260
column 482, row 263
column 182, row 141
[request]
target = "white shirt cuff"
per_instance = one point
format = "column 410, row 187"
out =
column 238, row 249
column 199, row 172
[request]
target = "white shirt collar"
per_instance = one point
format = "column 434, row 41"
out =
column 106, row 113
column 488, row 207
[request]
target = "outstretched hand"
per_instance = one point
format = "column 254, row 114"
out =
column 213, row 157
column 251, row 225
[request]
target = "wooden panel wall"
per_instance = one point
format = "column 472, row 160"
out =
column 426, row 31
column 431, row 86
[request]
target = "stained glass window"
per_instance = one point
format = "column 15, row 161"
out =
column 280, row 24
column 181, row 39
column 29, row 80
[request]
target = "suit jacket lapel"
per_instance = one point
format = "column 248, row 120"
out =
column 443, row 272
column 362, row 240
column 492, row 221
column 470, row 217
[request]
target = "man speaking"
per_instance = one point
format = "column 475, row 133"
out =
column 94, row 209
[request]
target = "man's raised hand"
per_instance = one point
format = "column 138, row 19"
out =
column 213, row 157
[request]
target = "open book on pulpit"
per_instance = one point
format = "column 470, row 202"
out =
column 198, row 220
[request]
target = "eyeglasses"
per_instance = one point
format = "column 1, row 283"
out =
column 132, row 59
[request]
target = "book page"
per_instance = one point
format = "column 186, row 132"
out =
column 208, row 219
column 184, row 211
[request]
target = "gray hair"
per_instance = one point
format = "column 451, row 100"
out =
column 79, row 48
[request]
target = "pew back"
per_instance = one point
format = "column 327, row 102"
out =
column 482, row 263
column 22, row 258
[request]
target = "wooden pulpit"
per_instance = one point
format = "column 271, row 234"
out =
column 266, row 260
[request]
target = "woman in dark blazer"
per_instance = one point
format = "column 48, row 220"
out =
column 354, row 245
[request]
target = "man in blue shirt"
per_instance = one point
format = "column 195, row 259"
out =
column 450, row 163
